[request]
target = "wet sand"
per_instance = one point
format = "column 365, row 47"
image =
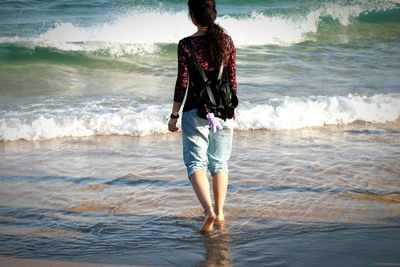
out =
column 327, row 196
column 17, row 262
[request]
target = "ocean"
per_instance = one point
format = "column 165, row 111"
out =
column 90, row 173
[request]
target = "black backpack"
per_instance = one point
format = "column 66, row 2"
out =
column 216, row 96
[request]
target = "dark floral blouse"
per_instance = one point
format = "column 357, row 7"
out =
column 188, row 75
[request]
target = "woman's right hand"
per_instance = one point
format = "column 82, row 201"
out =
column 172, row 125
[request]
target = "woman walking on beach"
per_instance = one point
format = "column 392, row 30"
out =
column 204, row 149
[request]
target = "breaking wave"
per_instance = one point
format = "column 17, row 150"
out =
column 55, row 119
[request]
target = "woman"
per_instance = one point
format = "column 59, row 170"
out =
column 203, row 149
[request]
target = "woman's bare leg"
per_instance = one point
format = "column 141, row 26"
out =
column 201, row 187
column 220, row 187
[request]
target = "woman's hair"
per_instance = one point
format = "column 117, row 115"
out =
column 205, row 13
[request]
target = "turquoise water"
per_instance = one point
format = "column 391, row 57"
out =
column 60, row 58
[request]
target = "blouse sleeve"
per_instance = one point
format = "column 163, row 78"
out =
column 232, row 65
column 182, row 79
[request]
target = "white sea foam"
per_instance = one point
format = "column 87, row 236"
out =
column 128, row 30
column 54, row 119
column 299, row 112
column 136, row 33
column 141, row 31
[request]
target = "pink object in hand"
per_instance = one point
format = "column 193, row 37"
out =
column 213, row 122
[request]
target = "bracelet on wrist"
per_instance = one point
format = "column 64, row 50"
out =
column 172, row 116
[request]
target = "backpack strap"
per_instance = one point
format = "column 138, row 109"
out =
column 221, row 69
column 203, row 75
column 196, row 62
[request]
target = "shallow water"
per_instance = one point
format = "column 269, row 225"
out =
column 296, row 198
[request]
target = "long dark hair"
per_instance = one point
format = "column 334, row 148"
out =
column 205, row 13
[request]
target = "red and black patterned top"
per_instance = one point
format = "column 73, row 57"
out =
column 189, row 76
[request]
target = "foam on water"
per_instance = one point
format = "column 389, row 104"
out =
column 141, row 31
column 54, row 119
column 299, row 112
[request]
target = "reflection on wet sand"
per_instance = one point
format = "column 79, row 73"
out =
column 19, row 262
column 217, row 246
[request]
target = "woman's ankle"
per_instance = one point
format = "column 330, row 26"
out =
column 220, row 215
column 209, row 219
column 219, row 211
column 209, row 212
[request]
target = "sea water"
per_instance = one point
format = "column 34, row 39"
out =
column 69, row 69
column 89, row 172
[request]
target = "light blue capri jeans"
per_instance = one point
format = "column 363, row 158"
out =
column 203, row 149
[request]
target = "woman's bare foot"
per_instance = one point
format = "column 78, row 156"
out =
column 208, row 220
column 220, row 218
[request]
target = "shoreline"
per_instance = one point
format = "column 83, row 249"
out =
column 356, row 125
